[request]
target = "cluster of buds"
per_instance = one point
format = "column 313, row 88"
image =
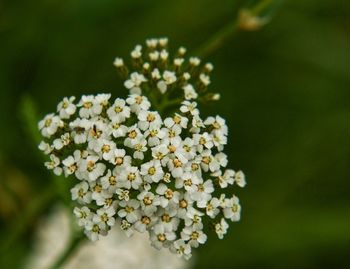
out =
column 153, row 71
column 140, row 170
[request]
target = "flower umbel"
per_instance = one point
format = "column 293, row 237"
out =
column 173, row 78
column 141, row 167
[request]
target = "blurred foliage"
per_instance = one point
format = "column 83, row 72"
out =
column 285, row 89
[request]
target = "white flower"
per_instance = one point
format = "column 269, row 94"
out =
column 149, row 202
column 204, row 79
column 167, row 195
column 133, row 135
column 178, row 61
column 188, row 107
column 105, row 216
column 188, row 181
column 54, row 165
column 104, row 148
column 148, row 119
column 182, row 249
column 49, row 125
column 98, row 129
column 136, row 53
column 92, row 167
column 61, row 142
column 203, row 193
column 168, row 78
column 101, row 100
column 152, row 43
column 194, row 218
column 240, row 179
column 87, row 109
column 94, row 229
column 208, row 162
column 123, row 194
column 83, row 215
column 119, row 111
column 154, row 135
column 177, row 120
column 109, row 181
column 221, row 228
column 194, row 236
column 203, row 141
column 129, row 210
column 185, row 203
column 154, row 56
column 152, row 171
column 81, row 193
column 209, row 67
column 71, row 163
column 126, row 227
column 145, row 222
column 164, row 55
column 160, row 152
column 187, row 148
column 163, row 41
column 104, row 199
column 197, row 124
column 161, row 236
column 45, row 147
column 219, row 140
column 168, row 218
column 221, row 159
column 156, row 74
column 226, row 179
column 66, row 108
column 118, row 62
column 195, row 61
column 182, row 50
column 232, row 209
column 217, row 123
column 139, row 146
column 134, row 83
column 130, row 178
column 117, row 128
column 138, row 102
column 176, row 166
column 80, row 127
column 212, row 209
column 120, row 159
column 189, row 92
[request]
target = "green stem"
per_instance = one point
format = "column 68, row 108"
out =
column 261, row 7
column 217, row 40
column 223, row 35
column 69, row 251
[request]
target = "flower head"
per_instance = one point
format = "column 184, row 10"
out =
column 142, row 168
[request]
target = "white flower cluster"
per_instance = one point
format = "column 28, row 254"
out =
column 153, row 68
column 142, row 170
column 154, row 175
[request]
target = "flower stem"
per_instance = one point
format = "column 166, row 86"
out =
column 217, row 40
column 223, row 35
column 69, row 251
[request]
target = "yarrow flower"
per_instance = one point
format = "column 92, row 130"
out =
column 140, row 167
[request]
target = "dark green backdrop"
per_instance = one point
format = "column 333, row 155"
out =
column 286, row 97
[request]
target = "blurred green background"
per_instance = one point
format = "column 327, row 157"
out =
column 286, row 97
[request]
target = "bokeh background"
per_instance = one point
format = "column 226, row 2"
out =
column 286, row 98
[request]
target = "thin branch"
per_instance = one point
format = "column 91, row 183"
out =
column 248, row 19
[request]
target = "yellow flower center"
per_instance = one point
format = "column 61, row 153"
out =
column 87, row 105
